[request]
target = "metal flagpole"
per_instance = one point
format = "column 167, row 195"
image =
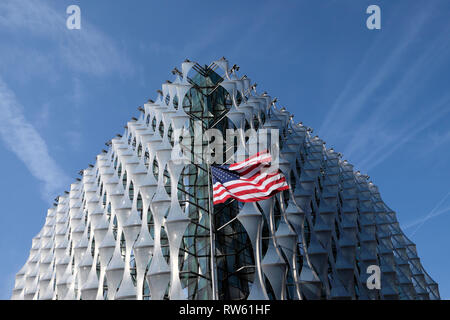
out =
column 215, row 295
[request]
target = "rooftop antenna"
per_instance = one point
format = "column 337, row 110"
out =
column 234, row 68
column 176, row 71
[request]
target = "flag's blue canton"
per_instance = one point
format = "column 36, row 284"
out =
column 223, row 174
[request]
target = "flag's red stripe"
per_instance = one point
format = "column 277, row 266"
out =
column 248, row 188
column 251, row 199
column 249, row 182
column 260, row 170
column 245, row 167
column 251, row 189
column 247, row 170
column 257, row 180
column 252, row 157
column 252, row 160
column 255, row 195
column 250, row 163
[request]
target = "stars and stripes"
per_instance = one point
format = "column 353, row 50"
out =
column 247, row 181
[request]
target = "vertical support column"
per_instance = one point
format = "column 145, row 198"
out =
column 212, row 239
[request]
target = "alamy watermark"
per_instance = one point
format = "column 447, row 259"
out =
column 374, row 280
column 374, row 20
column 73, row 21
column 212, row 147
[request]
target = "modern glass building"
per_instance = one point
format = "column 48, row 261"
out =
column 139, row 224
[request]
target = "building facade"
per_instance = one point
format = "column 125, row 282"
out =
column 139, row 224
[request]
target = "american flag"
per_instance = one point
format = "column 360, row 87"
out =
column 250, row 180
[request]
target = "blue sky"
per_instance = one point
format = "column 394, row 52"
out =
column 381, row 97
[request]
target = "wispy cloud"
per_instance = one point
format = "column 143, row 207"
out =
column 353, row 97
column 389, row 144
column 88, row 50
column 396, row 102
column 376, row 122
column 48, row 50
column 74, row 135
column 32, row 63
column 420, row 222
column 436, row 140
column 43, row 116
column 438, row 210
column 21, row 137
